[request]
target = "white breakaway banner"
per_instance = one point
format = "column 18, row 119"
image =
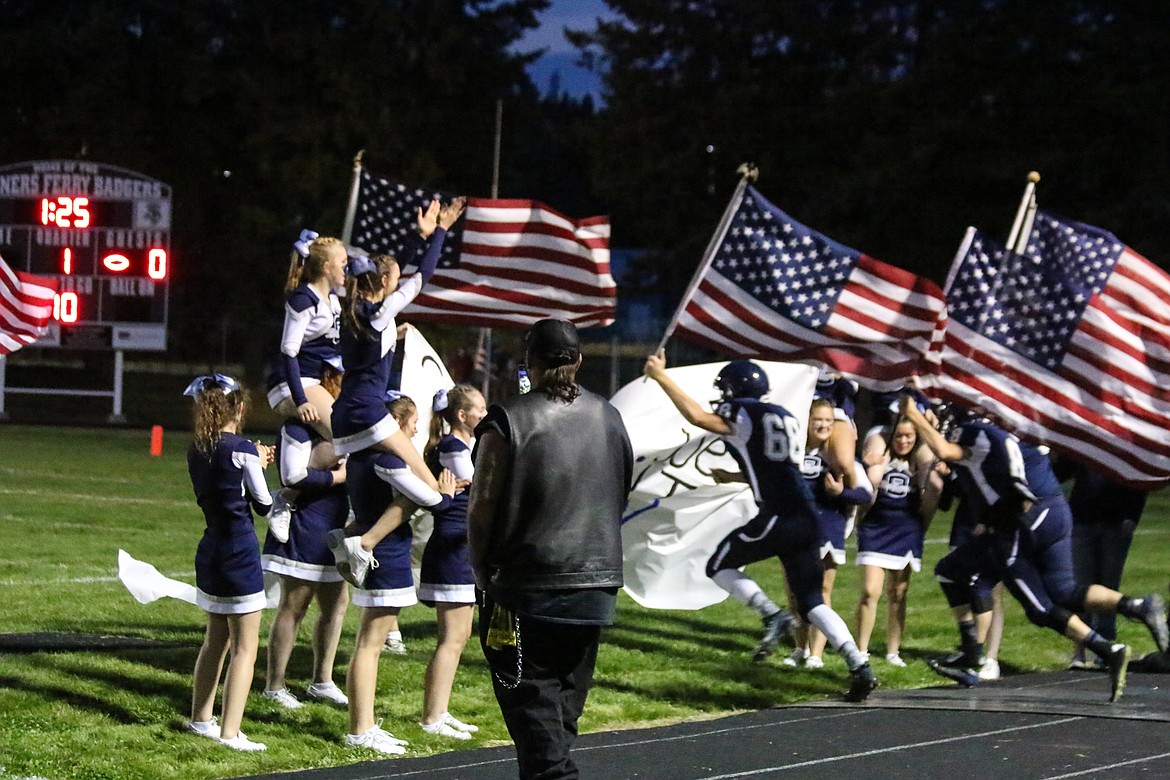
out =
column 677, row 513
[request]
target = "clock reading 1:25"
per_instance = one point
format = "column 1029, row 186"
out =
column 65, row 212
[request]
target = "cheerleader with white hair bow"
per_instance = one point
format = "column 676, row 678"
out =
column 227, row 473
column 447, row 580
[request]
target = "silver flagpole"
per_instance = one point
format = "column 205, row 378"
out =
column 748, row 173
column 1026, row 229
column 354, row 188
column 1026, row 203
column 486, row 333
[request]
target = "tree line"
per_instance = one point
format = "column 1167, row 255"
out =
column 890, row 126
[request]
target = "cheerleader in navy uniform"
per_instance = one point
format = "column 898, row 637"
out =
column 835, row 500
column 227, row 473
column 841, row 393
column 309, row 345
column 373, row 298
column 311, row 336
column 447, row 580
column 891, row 534
column 378, row 481
column 303, row 561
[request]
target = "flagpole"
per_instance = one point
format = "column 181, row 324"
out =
column 485, row 334
column 1027, row 204
column 748, row 173
column 354, row 188
column 1026, row 230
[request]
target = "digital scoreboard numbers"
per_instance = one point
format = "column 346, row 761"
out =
column 105, row 233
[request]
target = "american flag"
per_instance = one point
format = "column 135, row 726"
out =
column 778, row 290
column 506, row 263
column 26, row 304
column 1067, row 344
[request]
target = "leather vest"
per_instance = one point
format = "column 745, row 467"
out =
column 559, row 523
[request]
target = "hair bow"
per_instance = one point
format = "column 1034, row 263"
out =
column 217, row 381
column 440, row 401
column 302, row 244
column 360, row 264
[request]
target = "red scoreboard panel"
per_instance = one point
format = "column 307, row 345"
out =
column 105, row 233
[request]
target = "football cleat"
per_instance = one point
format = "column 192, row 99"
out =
column 957, row 667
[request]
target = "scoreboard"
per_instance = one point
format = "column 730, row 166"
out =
column 104, row 233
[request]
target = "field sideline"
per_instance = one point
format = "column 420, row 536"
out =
column 71, row 497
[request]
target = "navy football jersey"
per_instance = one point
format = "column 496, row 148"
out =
column 768, row 444
column 1042, row 480
column 992, row 469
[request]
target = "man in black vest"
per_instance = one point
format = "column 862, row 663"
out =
column 552, row 473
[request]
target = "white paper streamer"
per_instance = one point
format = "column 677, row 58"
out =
column 147, row 584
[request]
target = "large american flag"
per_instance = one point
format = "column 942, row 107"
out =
column 26, row 304
column 506, row 263
column 1068, row 344
column 778, row 290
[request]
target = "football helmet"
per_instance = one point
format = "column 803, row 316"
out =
column 741, row 379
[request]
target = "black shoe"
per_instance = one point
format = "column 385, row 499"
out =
column 1118, row 662
column 1153, row 614
column 864, row 681
column 957, row 667
column 778, row 628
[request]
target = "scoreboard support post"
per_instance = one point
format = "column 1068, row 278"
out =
column 115, row 417
column 4, row 416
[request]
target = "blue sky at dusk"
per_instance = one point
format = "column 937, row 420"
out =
column 560, row 55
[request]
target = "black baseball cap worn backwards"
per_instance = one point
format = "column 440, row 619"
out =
column 552, row 343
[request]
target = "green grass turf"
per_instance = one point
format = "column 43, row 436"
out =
column 70, row 497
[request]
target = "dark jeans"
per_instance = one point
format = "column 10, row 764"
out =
column 542, row 708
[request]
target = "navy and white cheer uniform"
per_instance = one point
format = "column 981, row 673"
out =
column 768, row 444
column 360, row 418
column 891, row 535
column 833, row 511
column 374, row 479
column 321, row 506
column 309, row 342
column 228, row 577
column 447, row 575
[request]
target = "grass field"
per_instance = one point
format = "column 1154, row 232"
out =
column 70, row 498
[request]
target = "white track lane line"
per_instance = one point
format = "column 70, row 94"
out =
column 1107, row 767
column 892, row 749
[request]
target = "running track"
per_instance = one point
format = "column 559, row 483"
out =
column 1049, row 725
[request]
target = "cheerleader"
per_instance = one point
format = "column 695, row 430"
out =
column 834, row 500
column 373, row 298
column 379, row 481
column 447, row 580
column 841, row 393
column 368, row 336
column 308, row 346
column 303, row 561
column 890, row 537
column 227, row 473
column 309, row 341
